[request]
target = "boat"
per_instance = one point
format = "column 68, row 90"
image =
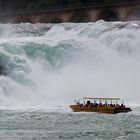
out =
column 102, row 105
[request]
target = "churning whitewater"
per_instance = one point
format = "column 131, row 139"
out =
column 47, row 65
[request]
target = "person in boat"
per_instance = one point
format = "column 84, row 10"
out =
column 122, row 105
column 88, row 102
column 100, row 104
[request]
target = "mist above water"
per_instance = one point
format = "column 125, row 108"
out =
column 53, row 64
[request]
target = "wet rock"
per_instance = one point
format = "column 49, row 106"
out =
column 2, row 71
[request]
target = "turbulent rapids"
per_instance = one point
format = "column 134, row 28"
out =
column 51, row 64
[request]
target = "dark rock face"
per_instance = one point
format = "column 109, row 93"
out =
column 2, row 71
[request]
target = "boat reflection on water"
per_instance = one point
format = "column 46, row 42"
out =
column 101, row 105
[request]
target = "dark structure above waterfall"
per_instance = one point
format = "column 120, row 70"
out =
column 38, row 4
column 56, row 11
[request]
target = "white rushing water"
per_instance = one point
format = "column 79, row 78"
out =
column 50, row 65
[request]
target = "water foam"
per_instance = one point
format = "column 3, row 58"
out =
column 48, row 64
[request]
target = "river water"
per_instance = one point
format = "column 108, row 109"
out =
column 48, row 125
column 45, row 67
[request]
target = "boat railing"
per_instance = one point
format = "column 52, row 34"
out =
column 100, row 102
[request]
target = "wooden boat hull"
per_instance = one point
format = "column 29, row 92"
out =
column 107, row 109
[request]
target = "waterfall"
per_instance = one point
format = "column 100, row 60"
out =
column 52, row 64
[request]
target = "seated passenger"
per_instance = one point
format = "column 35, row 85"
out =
column 88, row 102
column 122, row 105
column 100, row 104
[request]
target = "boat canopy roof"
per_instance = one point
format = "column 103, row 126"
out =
column 91, row 98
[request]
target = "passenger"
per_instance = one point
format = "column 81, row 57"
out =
column 78, row 103
column 122, row 105
column 96, row 104
column 88, row 102
column 100, row 105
